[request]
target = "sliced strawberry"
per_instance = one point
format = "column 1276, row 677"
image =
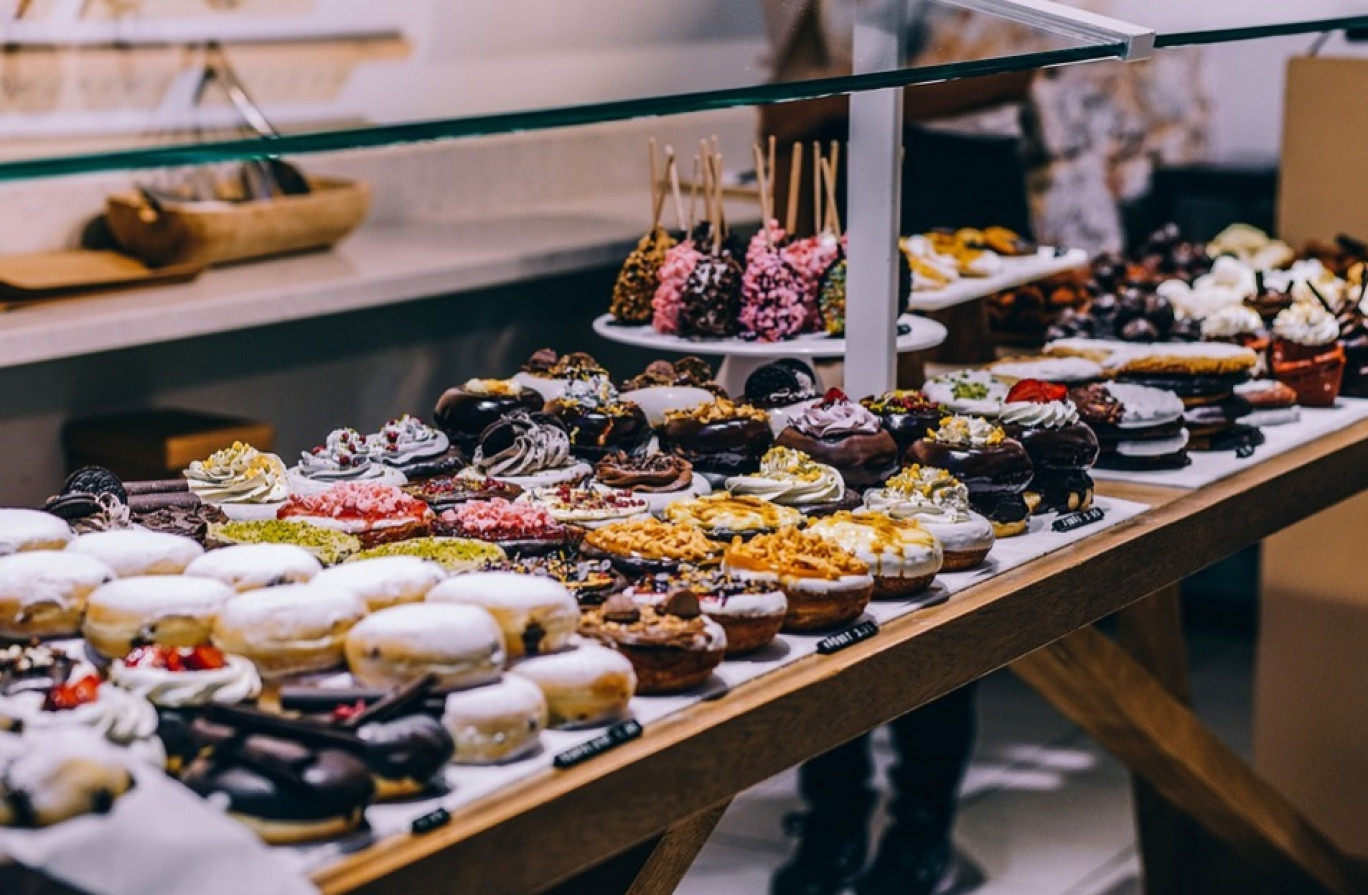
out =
column 203, row 658
column 72, row 694
column 834, row 396
column 1036, row 391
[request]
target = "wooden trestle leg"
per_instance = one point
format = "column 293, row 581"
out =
column 1096, row 684
column 655, row 867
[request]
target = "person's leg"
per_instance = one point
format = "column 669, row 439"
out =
column 834, row 830
column 933, row 745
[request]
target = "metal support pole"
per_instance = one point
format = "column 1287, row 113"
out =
column 873, row 204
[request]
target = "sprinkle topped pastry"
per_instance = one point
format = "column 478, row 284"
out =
column 468, row 484
column 967, row 431
column 357, row 502
column 731, row 514
column 595, row 503
column 595, row 392
column 453, row 554
column 501, row 520
column 794, row 554
column 718, row 411
column 791, row 478
column 588, row 579
column 329, row 546
column 652, row 539
column 239, row 474
column 901, row 401
column 647, row 473
column 921, row 490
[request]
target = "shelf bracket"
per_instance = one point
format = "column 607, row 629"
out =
column 1056, row 18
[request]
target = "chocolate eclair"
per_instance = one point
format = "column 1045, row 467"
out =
column 465, row 411
column 995, row 468
column 649, row 473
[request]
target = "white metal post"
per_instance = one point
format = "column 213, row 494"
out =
column 873, row 203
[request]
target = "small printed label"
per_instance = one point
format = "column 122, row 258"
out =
column 431, row 821
column 610, row 738
column 1244, row 451
column 848, row 637
column 1078, row 520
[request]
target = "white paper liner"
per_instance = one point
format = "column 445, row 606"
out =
column 1212, row 466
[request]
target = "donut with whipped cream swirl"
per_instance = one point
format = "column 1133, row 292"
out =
column 465, row 411
column 844, row 435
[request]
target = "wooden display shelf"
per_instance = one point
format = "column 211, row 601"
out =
column 675, row 776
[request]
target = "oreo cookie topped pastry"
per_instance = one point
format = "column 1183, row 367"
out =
column 783, row 388
column 528, row 450
column 906, row 413
column 598, row 420
column 465, row 411
column 843, row 434
column 720, row 438
column 1062, row 449
column 995, row 468
column 1137, row 427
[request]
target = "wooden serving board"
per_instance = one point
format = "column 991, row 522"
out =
column 67, row 272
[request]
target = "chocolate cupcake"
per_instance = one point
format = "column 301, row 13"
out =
column 598, row 420
column 845, row 435
column 719, row 439
column 995, row 468
column 1062, row 449
column 907, row 414
column 464, row 412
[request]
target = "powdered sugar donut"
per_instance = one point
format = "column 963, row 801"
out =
column 293, row 629
column 43, row 593
column 495, row 723
column 22, row 529
column 250, row 566
column 583, row 687
column 461, row 645
column 385, row 580
column 168, row 609
column 537, row 614
column 132, row 552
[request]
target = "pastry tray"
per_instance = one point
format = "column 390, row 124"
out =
column 68, row 272
column 1046, row 262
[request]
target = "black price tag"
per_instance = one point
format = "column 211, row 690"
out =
column 430, row 821
column 1244, row 451
column 1078, row 520
column 848, row 637
column 614, row 736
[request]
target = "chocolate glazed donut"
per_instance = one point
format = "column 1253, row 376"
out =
column 594, row 434
column 1003, row 468
column 463, row 416
column 1065, row 448
column 727, row 447
column 907, row 428
column 863, row 459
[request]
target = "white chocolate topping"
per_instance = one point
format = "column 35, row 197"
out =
column 430, row 630
column 513, row 695
column 503, row 590
column 290, row 612
column 579, row 668
column 157, row 596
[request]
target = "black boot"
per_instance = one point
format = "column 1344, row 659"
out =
column 914, row 866
column 831, row 852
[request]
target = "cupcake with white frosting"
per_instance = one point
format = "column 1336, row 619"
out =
column 240, row 480
column 1306, row 353
column 793, row 479
column 344, row 456
column 938, row 502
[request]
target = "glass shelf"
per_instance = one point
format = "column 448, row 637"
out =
column 470, row 69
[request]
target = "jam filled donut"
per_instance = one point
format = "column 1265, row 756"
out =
column 498, row 722
column 172, row 610
column 23, row 529
column 583, row 687
column 47, row 779
column 252, row 566
column 460, row 646
column 536, row 614
column 292, row 629
column 385, row 581
column 132, row 552
column 43, row 593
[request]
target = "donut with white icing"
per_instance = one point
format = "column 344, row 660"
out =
column 47, row 779
column 172, row 610
column 462, row 645
column 385, row 580
column 23, row 529
column 43, row 593
column 247, row 567
column 498, row 722
column 131, row 552
column 292, row 629
column 585, row 686
column 537, row 614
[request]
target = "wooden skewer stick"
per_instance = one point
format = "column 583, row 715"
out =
column 769, row 168
column 765, row 210
column 795, row 178
column 693, row 195
column 830, row 176
column 717, row 193
column 655, row 183
column 672, row 174
column 818, row 204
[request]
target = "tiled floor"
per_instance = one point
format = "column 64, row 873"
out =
column 1044, row 811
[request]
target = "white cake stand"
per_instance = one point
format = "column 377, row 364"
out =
column 740, row 358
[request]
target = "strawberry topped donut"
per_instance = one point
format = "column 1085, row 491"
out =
column 1040, row 415
column 375, row 514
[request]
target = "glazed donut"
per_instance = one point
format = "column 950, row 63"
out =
column 461, row 645
column 495, row 723
column 43, row 593
column 131, row 552
column 292, row 629
column 167, row 609
column 22, row 530
column 585, row 686
column 252, row 566
column 47, row 779
column 902, row 556
column 537, row 614
column 385, row 580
